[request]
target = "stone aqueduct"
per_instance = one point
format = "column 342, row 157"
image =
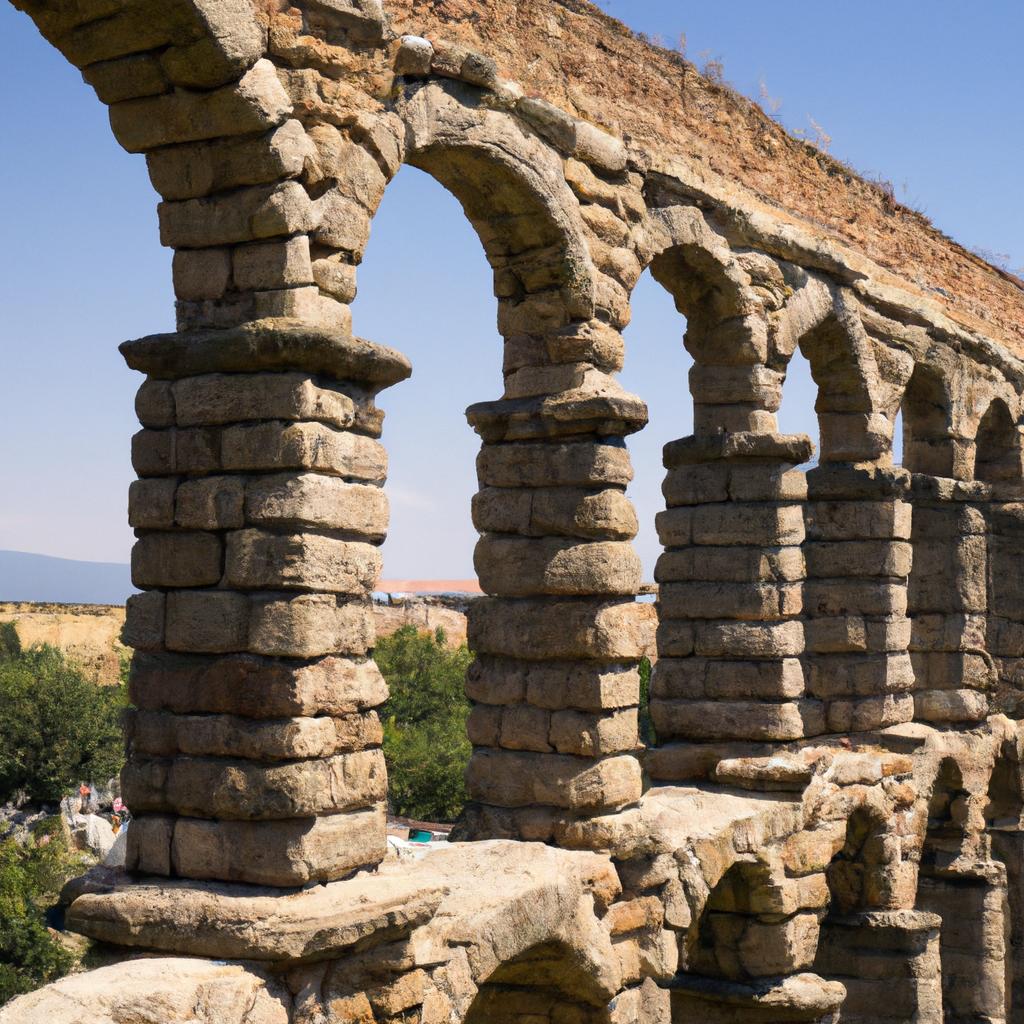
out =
column 829, row 826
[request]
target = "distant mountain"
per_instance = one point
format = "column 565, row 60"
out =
column 41, row 578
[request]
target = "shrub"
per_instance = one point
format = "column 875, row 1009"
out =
column 425, row 742
column 56, row 727
column 31, row 876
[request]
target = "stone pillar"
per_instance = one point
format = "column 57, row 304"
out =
column 1003, row 636
column 728, row 678
column 855, row 600
column 254, row 753
column 555, row 685
column 947, row 602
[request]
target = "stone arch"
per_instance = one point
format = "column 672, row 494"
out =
column 928, row 445
column 545, row 981
column 997, row 445
column 513, row 190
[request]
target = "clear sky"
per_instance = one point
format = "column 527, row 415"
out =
column 927, row 95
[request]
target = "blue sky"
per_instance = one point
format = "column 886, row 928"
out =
column 926, row 95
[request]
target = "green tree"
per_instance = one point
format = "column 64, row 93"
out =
column 31, row 875
column 425, row 741
column 56, row 727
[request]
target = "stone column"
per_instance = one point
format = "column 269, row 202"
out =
column 555, row 685
column 254, row 755
column 948, row 602
column 855, row 600
column 728, row 678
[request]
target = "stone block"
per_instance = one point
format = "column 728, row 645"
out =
column 149, row 844
column 522, row 567
column 879, row 558
column 768, row 525
column 869, row 713
column 847, row 634
column 144, row 622
column 263, row 211
column 171, row 452
column 256, row 103
column 210, row 503
column 177, row 560
column 310, row 499
column 589, row 734
column 684, row 762
column 858, row 520
column 219, row 399
column 829, row 598
column 696, row 485
column 154, row 404
column 751, row 601
column 162, row 734
column 578, row 464
column 257, row 560
column 230, row 789
column 308, row 626
column 414, row 56
column 858, row 675
column 554, row 685
column 194, row 170
column 753, row 640
column 730, row 565
column 514, row 779
column 254, row 687
column 741, row 720
column 952, row 670
column 151, row 503
column 280, row 853
column 270, row 447
column 201, row 273
column 265, row 265
column 716, row 679
column 207, row 621
column 522, row 727
column 126, row 79
column 950, row 706
column 544, row 630
column 561, row 511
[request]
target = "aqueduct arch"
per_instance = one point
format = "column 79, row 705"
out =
column 829, row 643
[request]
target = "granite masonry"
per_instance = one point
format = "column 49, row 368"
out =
column 829, row 824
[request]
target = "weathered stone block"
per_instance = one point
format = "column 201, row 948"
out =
column 950, row 706
column 310, row 499
column 144, row 622
column 572, row 512
column 827, row 598
column 513, row 779
column 151, row 504
column 282, row 853
column 870, row 712
column 268, row 447
column 587, row 734
column 254, row 687
column 858, row 559
column 730, row 564
column 744, row 720
column 716, row 679
column 154, row 404
column 201, row 273
column 257, row 560
column 177, row 560
column 263, row 211
column 553, row 685
column 308, row 626
column 249, row 791
column 858, row 675
column 191, row 171
column 207, row 621
column 540, row 630
column 579, row 464
column 265, row 265
column 858, row 520
column 846, row 634
column 170, row 452
column 521, row 567
column 769, row 525
column 211, row 503
column 750, row 601
column 749, row 639
column 254, row 104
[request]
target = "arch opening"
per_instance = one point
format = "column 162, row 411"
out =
column 997, row 446
column 543, row 983
column 927, row 443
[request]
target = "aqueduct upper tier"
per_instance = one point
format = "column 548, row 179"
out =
column 832, row 807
